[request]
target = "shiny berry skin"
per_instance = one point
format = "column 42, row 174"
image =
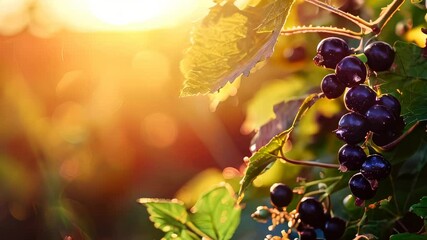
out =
column 280, row 195
column 331, row 87
column 380, row 119
column 351, row 157
column 390, row 102
column 330, row 51
column 360, row 187
column 308, row 234
column 359, row 98
column 351, row 71
column 380, row 56
column 376, row 167
column 352, row 128
column 311, row 212
column 334, row 228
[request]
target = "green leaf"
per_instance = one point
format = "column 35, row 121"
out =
column 420, row 208
column 408, row 236
column 408, row 82
column 170, row 216
column 267, row 154
column 229, row 42
column 216, row 213
column 214, row 216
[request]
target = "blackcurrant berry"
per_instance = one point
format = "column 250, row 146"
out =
column 280, row 195
column 330, row 51
column 351, row 157
column 380, row 119
column 390, row 102
column 380, row 56
column 360, row 187
column 308, row 234
column 351, row 71
column 352, row 128
column 376, row 167
column 359, row 98
column 334, row 228
column 311, row 212
column 331, row 87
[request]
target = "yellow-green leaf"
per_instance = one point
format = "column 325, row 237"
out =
column 229, row 42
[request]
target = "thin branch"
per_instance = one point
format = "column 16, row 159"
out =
column 365, row 26
column 385, row 15
column 332, row 30
column 307, row 163
column 393, row 144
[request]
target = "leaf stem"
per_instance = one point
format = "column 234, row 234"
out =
column 385, row 16
column 195, row 230
column 312, row 183
column 364, row 25
column 393, row 144
column 307, row 163
column 332, row 30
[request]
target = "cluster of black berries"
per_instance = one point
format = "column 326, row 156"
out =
column 368, row 112
column 309, row 215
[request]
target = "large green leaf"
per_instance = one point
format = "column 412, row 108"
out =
column 229, row 42
column 170, row 216
column 408, row 82
column 420, row 208
column 216, row 213
column 267, row 154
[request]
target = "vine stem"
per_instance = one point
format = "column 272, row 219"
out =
column 366, row 27
column 393, row 144
column 307, row 163
column 333, row 30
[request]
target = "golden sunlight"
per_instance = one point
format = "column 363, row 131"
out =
column 125, row 15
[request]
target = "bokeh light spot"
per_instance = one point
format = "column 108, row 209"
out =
column 159, row 130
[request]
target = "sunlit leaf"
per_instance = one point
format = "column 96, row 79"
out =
column 170, row 216
column 229, row 42
column 420, row 208
column 267, row 154
column 216, row 213
column 408, row 82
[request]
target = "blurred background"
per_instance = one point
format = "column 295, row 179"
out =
column 91, row 119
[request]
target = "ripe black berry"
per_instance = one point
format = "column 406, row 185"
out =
column 280, row 195
column 390, row 102
column 375, row 167
column 380, row 119
column 334, row 228
column 380, row 56
column 330, row 51
column 360, row 187
column 311, row 212
column 331, row 87
column 351, row 71
column 308, row 234
column 351, row 157
column 352, row 128
column 359, row 98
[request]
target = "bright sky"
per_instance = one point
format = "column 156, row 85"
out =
column 98, row 15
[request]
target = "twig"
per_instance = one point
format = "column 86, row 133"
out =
column 332, row 30
column 307, row 163
column 393, row 144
